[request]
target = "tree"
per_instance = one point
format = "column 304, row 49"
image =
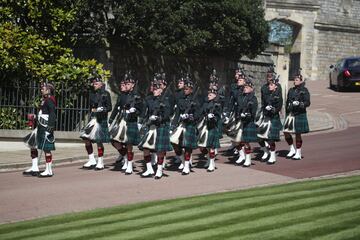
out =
column 229, row 28
column 35, row 44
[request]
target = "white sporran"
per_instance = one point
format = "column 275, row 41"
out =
column 177, row 136
column 203, row 137
column 91, row 130
column 289, row 124
column 121, row 129
column 264, row 129
column 149, row 140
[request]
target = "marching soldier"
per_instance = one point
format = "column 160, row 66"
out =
column 43, row 136
column 269, row 128
column 97, row 131
column 157, row 138
column 114, row 126
column 131, row 108
column 270, row 76
column 210, row 132
column 246, row 112
column 184, row 136
column 236, row 93
column 298, row 99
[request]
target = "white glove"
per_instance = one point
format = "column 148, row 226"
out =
column 226, row 120
column 268, row 107
column 132, row 110
column 100, row 109
column 211, row 115
column 153, row 118
column 47, row 133
column 295, row 103
column 184, row 116
column 118, row 108
column 242, row 115
column 139, row 125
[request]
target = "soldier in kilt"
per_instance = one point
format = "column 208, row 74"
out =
column 116, row 115
column 157, row 139
column 189, row 112
column 298, row 99
column 230, row 106
column 44, row 133
column 133, row 107
column 270, row 75
column 210, row 133
column 97, row 131
column 246, row 112
column 269, row 129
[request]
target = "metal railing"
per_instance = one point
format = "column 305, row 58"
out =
column 71, row 112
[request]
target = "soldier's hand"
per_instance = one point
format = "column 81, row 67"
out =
column 211, row 115
column 269, row 107
column 153, row 118
column 100, row 109
column 295, row 103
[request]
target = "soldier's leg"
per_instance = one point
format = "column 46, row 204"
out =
column 34, row 169
column 247, row 162
column 212, row 154
column 179, row 158
column 130, row 156
column 272, row 158
column 187, row 159
column 298, row 139
column 241, row 150
column 265, row 149
column 100, row 163
column 290, row 142
column 48, row 165
column 121, row 149
column 91, row 163
column 149, row 169
column 159, row 171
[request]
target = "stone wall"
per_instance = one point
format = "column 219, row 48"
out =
column 330, row 30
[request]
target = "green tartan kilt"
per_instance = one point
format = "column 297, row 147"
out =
column 103, row 135
column 190, row 137
column 132, row 133
column 40, row 137
column 220, row 129
column 249, row 132
column 301, row 123
column 275, row 129
column 162, row 143
column 213, row 138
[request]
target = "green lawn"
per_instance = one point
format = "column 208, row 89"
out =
column 322, row 209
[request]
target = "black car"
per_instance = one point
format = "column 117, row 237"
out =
column 345, row 74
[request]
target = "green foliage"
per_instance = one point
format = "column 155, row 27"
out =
column 35, row 41
column 225, row 28
column 10, row 118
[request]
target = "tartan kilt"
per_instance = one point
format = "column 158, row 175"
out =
column 213, row 138
column 220, row 129
column 40, row 137
column 103, row 135
column 162, row 143
column 190, row 137
column 132, row 132
column 275, row 129
column 249, row 132
column 301, row 123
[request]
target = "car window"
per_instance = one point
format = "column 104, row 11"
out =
column 353, row 63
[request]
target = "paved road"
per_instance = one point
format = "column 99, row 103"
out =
column 73, row 189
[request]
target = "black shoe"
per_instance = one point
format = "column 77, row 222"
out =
column 157, row 178
column 270, row 163
column 99, row 169
column 246, row 165
column 31, row 173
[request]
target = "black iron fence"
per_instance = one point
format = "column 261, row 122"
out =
column 17, row 102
